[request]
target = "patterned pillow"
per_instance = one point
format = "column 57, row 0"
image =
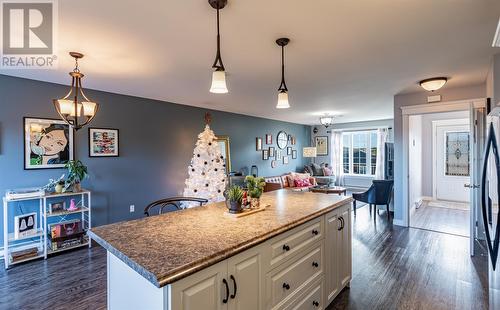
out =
column 327, row 171
column 302, row 183
column 308, row 169
column 318, row 171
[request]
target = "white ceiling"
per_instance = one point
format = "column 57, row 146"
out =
column 346, row 57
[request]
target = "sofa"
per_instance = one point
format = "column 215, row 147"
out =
column 321, row 173
column 284, row 181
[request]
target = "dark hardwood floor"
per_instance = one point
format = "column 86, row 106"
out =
column 393, row 268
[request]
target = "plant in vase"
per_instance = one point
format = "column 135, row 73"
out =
column 234, row 196
column 77, row 171
column 255, row 187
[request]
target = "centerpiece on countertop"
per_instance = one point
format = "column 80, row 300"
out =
column 255, row 186
column 234, row 198
column 207, row 171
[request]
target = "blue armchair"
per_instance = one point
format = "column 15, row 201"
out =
column 379, row 193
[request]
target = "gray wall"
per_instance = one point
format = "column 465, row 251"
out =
column 448, row 94
column 156, row 145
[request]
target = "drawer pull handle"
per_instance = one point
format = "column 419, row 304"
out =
column 286, row 286
column 235, row 287
column 315, row 232
column 315, row 303
column 227, row 291
column 286, row 248
column 315, row 264
column 341, row 219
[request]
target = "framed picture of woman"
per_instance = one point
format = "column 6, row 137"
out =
column 48, row 143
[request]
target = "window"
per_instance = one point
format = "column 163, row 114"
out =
column 359, row 152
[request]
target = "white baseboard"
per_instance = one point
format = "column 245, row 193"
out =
column 398, row 222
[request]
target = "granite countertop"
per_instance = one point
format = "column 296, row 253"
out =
column 168, row 247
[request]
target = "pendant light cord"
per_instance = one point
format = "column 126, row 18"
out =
column 218, row 59
column 283, row 84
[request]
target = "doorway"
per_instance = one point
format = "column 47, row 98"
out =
column 439, row 168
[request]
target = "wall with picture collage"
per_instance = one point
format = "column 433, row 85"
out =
column 280, row 149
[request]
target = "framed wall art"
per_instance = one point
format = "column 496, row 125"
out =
column 294, row 154
column 269, row 138
column 321, row 145
column 103, row 142
column 25, row 225
column 265, row 154
column 48, row 143
column 57, row 206
column 285, row 160
column 289, row 150
column 258, row 144
column 272, row 152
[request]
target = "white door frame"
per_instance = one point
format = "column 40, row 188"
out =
column 450, row 106
column 435, row 124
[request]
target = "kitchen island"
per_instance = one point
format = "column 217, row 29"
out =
column 295, row 253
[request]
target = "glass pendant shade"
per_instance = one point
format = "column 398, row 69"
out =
column 66, row 106
column 326, row 121
column 218, row 82
column 433, row 84
column 78, row 110
column 282, row 100
column 89, row 108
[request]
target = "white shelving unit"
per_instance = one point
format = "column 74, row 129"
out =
column 40, row 239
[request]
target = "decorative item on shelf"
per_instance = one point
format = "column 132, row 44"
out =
column 289, row 150
column 254, row 170
column 282, row 90
column 77, row 172
column 72, row 206
column 255, row 186
column 265, row 154
column 285, row 160
column 433, row 84
column 25, row 225
column 55, row 207
column 207, row 176
column 294, row 154
column 69, row 108
column 321, row 145
column 48, row 143
column 269, row 138
column 326, row 120
column 24, row 193
column 274, row 163
column 59, row 187
column 282, row 139
column 258, row 144
column 103, row 142
column 17, row 256
column 234, row 197
column 219, row 75
column 66, row 234
column 272, row 151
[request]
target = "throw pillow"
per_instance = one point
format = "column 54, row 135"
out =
column 308, row 169
column 327, row 171
column 318, row 171
column 302, row 183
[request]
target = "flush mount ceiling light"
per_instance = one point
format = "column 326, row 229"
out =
column 326, row 120
column 219, row 75
column 282, row 90
column 433, row 83
column 69, row 107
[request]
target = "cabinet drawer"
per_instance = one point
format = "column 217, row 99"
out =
column 294, row 241
column 294, row 276
column 311, row 299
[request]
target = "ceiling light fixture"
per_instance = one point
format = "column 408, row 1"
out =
column 433, row 83
column 219, row 75
column 282, row 90
column 326, row 120
column 69, row 107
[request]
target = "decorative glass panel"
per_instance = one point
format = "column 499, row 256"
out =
column 457, row 154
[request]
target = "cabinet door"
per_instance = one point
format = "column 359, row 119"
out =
column 333, row 247
column 202, row 290
column 245, row 277
column 345, row 269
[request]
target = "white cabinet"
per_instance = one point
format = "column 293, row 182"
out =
column 338, row 251
column 233, row 284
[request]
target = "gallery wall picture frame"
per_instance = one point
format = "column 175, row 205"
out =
column 258, row 144
column 289, row 150
column 104, row 142
column 285, row 160
column 321, row 145
column 272, row 151
column 265, row 154
column 269, row 138
column 225, row 150
column 294, row 140
column 294, row 154
column 48, row 143
column 274, row 163
column 58, row 206
column 278, row 155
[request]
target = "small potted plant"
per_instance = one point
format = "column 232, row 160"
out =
column 234, row 197
column 77, row 171
column 255, row 187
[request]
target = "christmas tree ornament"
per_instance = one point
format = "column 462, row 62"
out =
column 206, row 175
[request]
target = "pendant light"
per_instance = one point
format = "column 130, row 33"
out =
column 326, row 120
column 433, row 83
column 219, row 75
column 70, row 108
column 282, row 90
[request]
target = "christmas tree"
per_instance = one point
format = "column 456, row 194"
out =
column 207, row 176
